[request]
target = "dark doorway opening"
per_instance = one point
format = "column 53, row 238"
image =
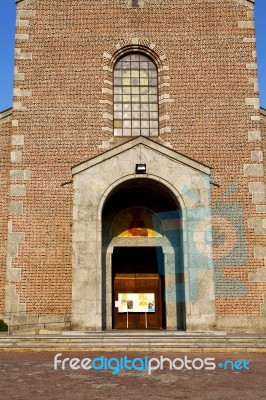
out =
column 138, row 270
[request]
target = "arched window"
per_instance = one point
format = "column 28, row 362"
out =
column 135, row 96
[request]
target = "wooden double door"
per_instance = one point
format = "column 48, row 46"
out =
column 136, row 270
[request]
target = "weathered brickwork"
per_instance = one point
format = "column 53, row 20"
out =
column 258, row 191
column 63, row 114
column 5, row 134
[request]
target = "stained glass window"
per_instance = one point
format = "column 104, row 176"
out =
column 135, row 96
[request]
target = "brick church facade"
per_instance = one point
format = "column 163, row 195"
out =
column 132, row 162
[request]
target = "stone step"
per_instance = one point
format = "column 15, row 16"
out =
column 128, row 341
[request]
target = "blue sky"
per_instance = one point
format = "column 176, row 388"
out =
column 7, row 34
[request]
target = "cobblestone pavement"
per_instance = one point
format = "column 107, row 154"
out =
column 31, row 375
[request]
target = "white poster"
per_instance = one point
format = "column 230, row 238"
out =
column 135, row 302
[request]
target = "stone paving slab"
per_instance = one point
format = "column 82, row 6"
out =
column 31, row 375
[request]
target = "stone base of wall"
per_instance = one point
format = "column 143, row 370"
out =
column 42, row 324
column 56, row 324
column 252, row 324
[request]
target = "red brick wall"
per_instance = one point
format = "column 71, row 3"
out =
column 263, row 130
column 61, row 63
column 5, row 133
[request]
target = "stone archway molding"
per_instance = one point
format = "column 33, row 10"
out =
column 94, row 180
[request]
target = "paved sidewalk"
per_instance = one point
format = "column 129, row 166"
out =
column 31, row 376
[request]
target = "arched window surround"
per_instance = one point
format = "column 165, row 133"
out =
column 110, row 58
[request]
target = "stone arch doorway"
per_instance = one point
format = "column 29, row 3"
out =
column 141, row 254
column 106, row 185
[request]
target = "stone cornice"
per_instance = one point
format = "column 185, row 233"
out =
column 263, row 111
column 20, row 1
column 6, row 113
column 147, row 142
column 249, row 1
